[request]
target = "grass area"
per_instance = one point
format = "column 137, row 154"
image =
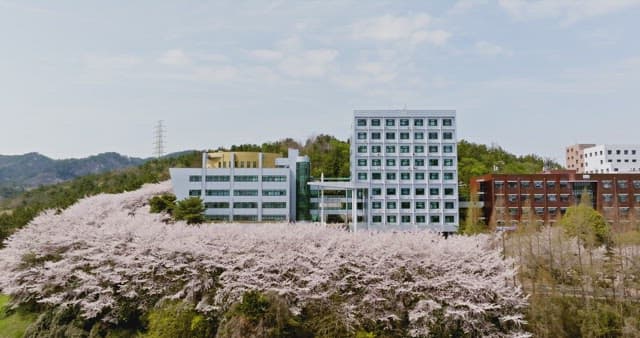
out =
column 13, row 325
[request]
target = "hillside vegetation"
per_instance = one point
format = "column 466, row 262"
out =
column 107, row 264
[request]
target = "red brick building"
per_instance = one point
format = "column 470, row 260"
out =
column 503, row 196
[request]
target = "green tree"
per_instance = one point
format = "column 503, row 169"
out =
column 179, row 320
column 190, row 210
column 587, row 224
column 163, row 203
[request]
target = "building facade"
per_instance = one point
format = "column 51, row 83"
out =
column 405, row 163
column 575, row 157
column 612, row 159
column 247, row 186
column 506, row 199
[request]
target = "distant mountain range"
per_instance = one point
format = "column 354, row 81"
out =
column 22, row 172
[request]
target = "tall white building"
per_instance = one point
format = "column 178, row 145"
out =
column 609, row 158
column 406, row 160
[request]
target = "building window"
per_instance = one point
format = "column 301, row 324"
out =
column 391, row 163
column 636, row 184
column 418, row 136
column 361, row 162
column 434, row 192
column 362, row 149
column 375, row 123
column 449, row 219
column 390, row 122
column 404, row 149
column 434, row 176
column 420, row 205
column 405, row 205
column 447, row 136
column 420, row 219
column 418, row 122
column 390, row 149
column 194, row 178
column 552, row 197
column 245, row 193
column 390, row 136
column 433, row 123
column 245, row 178
column 391, row 191
column 405, row 176
column 362, row 136
column 419, row 191
column 195, row 193
column 607, row 184
column 217, row 192
column 376, row 192
column 623, row 198
column 449, row 205
column 282, row 178
column 405, row 162
column 405, row 191
column 419, row 163
column 376, row 149
column 433, row 163
column 375, row 136
column 525, row 184
column 376, row 176
column 434, row 205
column 419, row 149
column 362, row 176
column 435, row 219
column 245, row 205
column 274, row 218
column 391, row 176
column 537, row 184
column 274, row 205
column 448, row 149
column 448, row 191
column 419, row 176
column 391, row 219
column 433, row 149
column 216, row 205
column 376, row 205
column 551, row 184
column 362, row 123
column 274, row 193
column 447, row 122
column 448, row 162
column 404, row 122
column 448, row 176
column 622, row 184
column 376, row 163
column 433, row 136
column 404, row 136
column 405, row 219
column 391, row 205
column 218, row 178
column 376, row 219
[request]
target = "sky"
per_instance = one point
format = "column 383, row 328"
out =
column 83, row 77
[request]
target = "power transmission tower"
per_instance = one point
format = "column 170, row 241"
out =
column 159, row 139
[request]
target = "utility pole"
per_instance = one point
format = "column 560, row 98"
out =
column 158, row 143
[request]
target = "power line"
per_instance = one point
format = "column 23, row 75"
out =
column 159, row 146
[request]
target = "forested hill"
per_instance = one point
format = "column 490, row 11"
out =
column 23, row 172
column 331, row 156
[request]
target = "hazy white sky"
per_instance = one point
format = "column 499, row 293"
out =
column 82, row 77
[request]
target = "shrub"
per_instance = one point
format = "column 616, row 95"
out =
column 179, row 319
column 163, row 203
column 190, row 210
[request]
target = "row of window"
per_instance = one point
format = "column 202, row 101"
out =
column 238, row 178
column 420, row 219
column 361, row 122
column 610, row 152
column 623, row 198
column 245, row 205
column 407, row 191
column 392, row 176
column 435, row 205
column 419, row 162
column 405, row 136
column 528, row 184
column 238, row 192
column 389, row 149
column 247, row 218
column 565, row 198
column 622, row 184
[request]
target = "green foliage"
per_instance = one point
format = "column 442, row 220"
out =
column 260, row 315
column 60, row 196
column 13, row 323
column 179, row 319
column 163, row 203
column 586, row 223
column 190, row 210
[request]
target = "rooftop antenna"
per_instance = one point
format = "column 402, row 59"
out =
column 159, row 139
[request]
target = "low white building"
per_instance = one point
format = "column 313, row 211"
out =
column 243, row 186
column 612, row 158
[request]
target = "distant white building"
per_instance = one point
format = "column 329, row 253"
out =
column 247, row 186
column 612, row 158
